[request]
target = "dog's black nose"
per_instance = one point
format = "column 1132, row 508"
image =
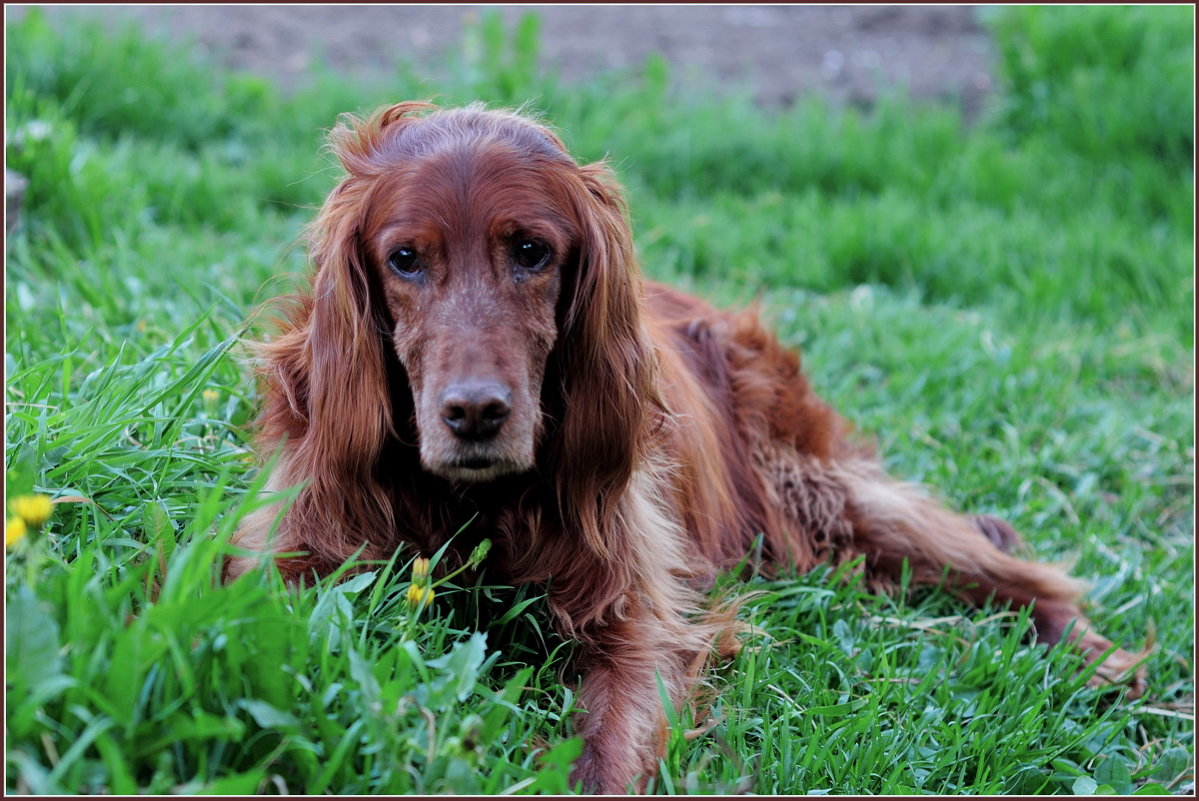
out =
column 475, row 410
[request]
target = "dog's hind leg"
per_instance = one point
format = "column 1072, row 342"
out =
column 892, row 521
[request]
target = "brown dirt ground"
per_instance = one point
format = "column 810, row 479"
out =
column 847, row 53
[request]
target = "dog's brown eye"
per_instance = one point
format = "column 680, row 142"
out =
column 531, row 254
column 404, row 262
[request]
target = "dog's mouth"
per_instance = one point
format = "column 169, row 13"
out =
column 474, row 463
column 475, row 469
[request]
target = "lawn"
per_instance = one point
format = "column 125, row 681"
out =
column 1007, row 307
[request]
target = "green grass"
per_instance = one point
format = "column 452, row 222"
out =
column 1006, row 307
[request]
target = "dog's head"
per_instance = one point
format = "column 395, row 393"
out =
column 500, row 273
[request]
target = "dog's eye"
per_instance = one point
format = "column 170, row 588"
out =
column 404, row 262
column 531, row 254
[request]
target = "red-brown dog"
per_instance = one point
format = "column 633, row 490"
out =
column 479, row 344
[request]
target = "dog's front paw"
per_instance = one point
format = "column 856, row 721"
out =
column 599, row 778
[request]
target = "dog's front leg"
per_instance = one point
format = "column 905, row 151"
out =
column 623, row 723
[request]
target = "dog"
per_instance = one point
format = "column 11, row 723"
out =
column 480, row 353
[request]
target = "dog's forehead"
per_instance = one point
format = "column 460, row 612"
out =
column 472, row 182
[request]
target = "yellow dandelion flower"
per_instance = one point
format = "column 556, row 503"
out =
column 210, row 396
column 420, row 570
column 14, row 531
column 419, row 596
column 33, row 509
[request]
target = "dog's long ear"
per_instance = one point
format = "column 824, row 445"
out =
column 349, row 405
column 604, row 365
column 327, row 378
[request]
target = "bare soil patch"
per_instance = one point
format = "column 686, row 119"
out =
column 847, row 53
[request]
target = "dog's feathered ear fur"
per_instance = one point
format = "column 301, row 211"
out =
column 349, row 408
column 603, row 366
column 327, row 389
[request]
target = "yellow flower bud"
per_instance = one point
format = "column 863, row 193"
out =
column 14, row 531
column 420, row 570
column 33, row 509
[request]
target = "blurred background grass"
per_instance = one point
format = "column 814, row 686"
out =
column 1007, row 305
